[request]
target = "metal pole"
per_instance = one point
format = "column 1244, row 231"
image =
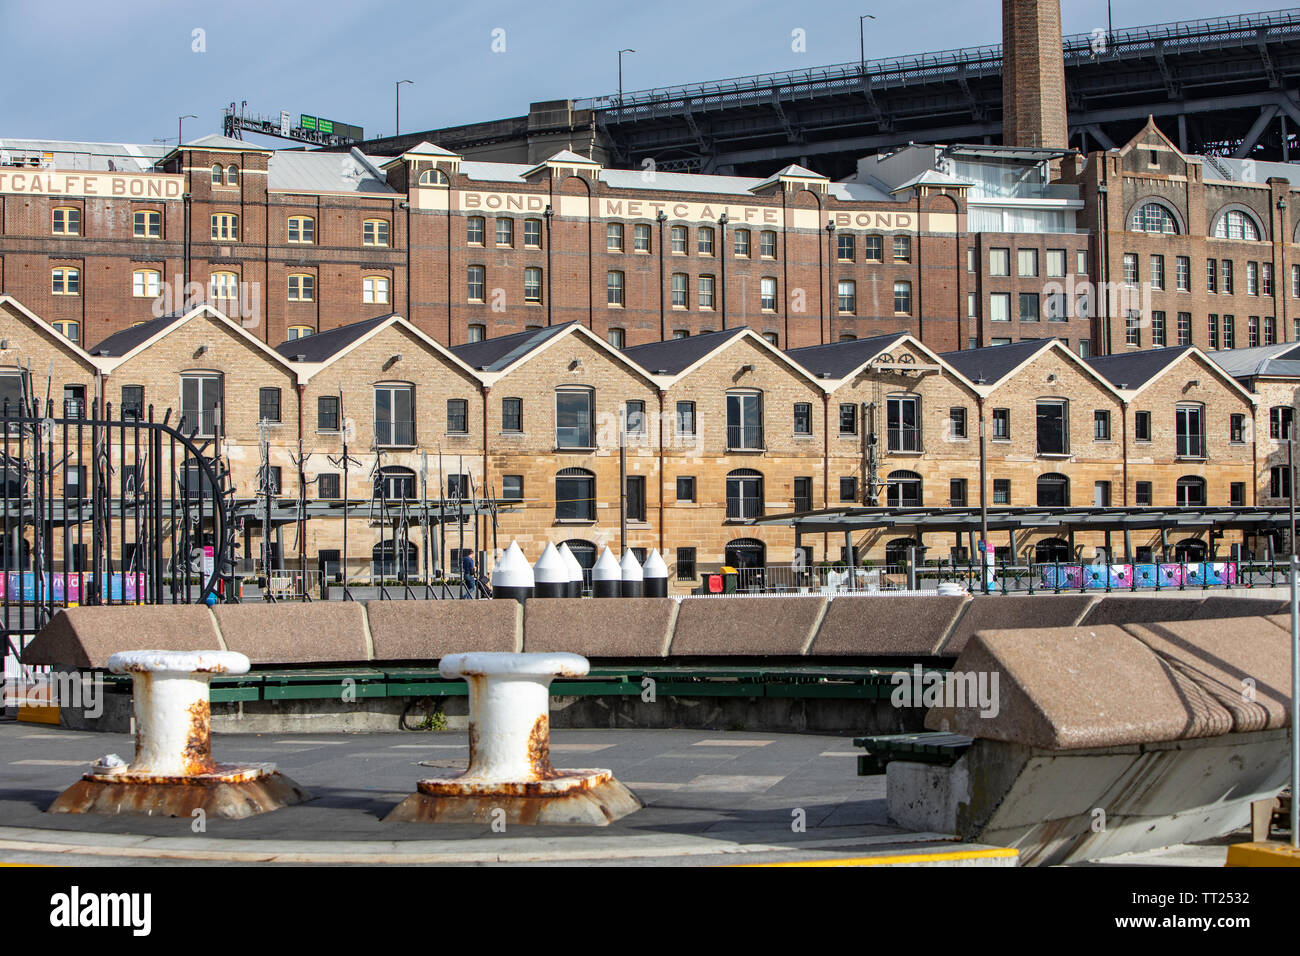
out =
column 1295, row 698
column 622, row 481
column 984, row 508
column 1290, row 487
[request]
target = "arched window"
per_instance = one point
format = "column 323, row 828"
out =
column 1189, row 551
column 575, row 495
column 299, row 331
column 903, row 489
column 1154, row 217
column 232, row 175
column 374, row 232
column 1237, row 224
column 746, row 553
column 1053, row 491
column 65, row 281
column 1052, row 550
column 302, row 229
column 584, row 551
column 223, row 286
column 225, row 226
column 433, row 177
column 896, row 554
column 216, row 174
column 302, row 287
column 70, row 328
column 390, row 559
column 374, row 290
column 393, row 483
column 65, row 221
column 744, row 493
column 1191, row 492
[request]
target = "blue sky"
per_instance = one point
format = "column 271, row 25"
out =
column 123, row 72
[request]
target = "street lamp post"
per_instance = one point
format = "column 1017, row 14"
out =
column 397, row 95
column 620, row 75
column 862, row 43
column 180, row 125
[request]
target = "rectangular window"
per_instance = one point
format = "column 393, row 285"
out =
column 1280, row 418
column 374, row 232
column 848, row 296
column 1141, row 426
column 476, row 282
column 575, row 495
column 1101, row 494
column 1081, row 261
column 844, row 247
column 957, row 421
column 1214, row 331
column 686, row 564
column 614, row 288
column 1237, row 494
column 741, row 243
column 903, row 422
column 132, row 401
column 505, row 232
column 1028, row 306
column 873, row 248
column 706, row 292
column 1295, row 282
column 902, row 248
column 686, row 418
column 574, row 415
column 474, row 230
column 1266, row 278
column 1270, row 330
column 1237, row 429
column 635, row 498
column 1056, row 263
column 201, row 403
column 1189, row 429
column 374, row 289
column 999, row 262
column 1158, row 272
column 1225, row 276
column 1053, row 434
column 685, row 488
column 1101, row 425
column 641, row 237
column 225, row 227
column 327, row 413
column 268, row 405
column 327, row 486
column 533, row 233
column 147, row 224
column 1142, row 494
column 1252, row 278
column 679, row 239
column 512, row 487
column 512, row 414
column 1027, row 263
column 66, row 221
column 1133, row 329
column 1229, row 332
column 271, row 484
column 532, row 284
column 394, row 415
column 957, row 492
column 681, row 296
column 1279, row 485
column 614, row 237
column 1183, row 274
column 1211, row 275
column 1252, row 331
column 634, row 417
column 972, row 259
column 849, row 418
column 767, row 244
column 1000, row 307
column 302, row 288
column 1131, row 268
column 745, row 420
column 1184, row 328
column 1002, row 491
column 1002, row 424
column 902, row 298
column 1157, row 329
column 848, row 489
column 802, row 418
column 767, row 294
column 803, row 494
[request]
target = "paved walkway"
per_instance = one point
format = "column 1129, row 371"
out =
column 711, row 797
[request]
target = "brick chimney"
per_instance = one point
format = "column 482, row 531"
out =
column 1033, row 74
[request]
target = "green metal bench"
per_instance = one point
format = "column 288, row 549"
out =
column 937, row 747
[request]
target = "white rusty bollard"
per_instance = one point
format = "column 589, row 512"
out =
column 510, row 753
column 173, row 773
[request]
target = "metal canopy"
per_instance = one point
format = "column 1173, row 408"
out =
column 839, row 520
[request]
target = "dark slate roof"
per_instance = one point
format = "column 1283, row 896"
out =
column 838, row 359
column 1135, row 369
column 992, row 362
column 495, row 354
column 322, row 346
column 674, row 355
column 119, row 343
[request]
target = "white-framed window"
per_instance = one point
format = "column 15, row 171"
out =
column 679, row 237
column 614, row 236
column 1000, row 307
column 767, row 293
column 1027, row 262
column 302, row 229
column 532, row 284
column 374, row 232
column 433, row 177
column 1056, row 263
column 302, row 287
column 223, row 285
column 902, row 298
column 505, row 231
column 216, row 174
column 476, row 282
column 232, row 175
column 1236, row 224
column 147, row 224
column 706, row 292
column 902, row 248
column 1154, row 217
column 846, row 247
column 1183, row 274
column 704, row 240
column 1131, row 268
column 617, row 338
column 374, row 289
column 681, row 296
column 474, row 230
column 65, row 280
column 767, row 244
column 475, row 332
column 740, row 243
column 146, row 283
column 847, row 296
column 641, row 237
column 395, row 415
column 225, row 227
column 873, row 248
column 532, row 234
column 1157, row 265
column 614, row 288
column 999, row 262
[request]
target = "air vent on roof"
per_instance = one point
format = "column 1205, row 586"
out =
column 300, row 357
column 661, row 371
column 825, row 375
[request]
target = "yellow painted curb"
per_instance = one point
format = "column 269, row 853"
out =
column 951, row 856
column 31, row 714
column 1262, row 854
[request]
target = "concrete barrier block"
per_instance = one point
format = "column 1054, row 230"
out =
column 428, row 630
column 1243, row 663
column 1229, row 605
column 295, row 633
column 1117, row 609
column 745, row 626
column 991, row 612
column 628, row 627
column 1068, row 688
column 886, row 626
column 88, row 636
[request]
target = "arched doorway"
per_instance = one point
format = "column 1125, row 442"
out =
column 1052, row 550
column 1053, row 491
column 1191, row 492
column 896, row 554
column 1189, row 551
column 749, row 557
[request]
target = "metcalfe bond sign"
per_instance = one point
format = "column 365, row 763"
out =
column 83, row 185
column 737, row 215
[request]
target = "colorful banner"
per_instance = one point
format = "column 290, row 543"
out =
column 68, row 589
column 1076, row 577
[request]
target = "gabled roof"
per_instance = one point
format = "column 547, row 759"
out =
column 495, row 354
column 48, row 329
column 986, row 368
column 322, row 349
column 353, row 172
column 216, row 141
column 322, row 346
column 422, row 148
column 1282, row 359
column 840, row 359
column 1131, row 370
column 931, row 177
column 569, row 156
column 122, row 346
column 673, row 356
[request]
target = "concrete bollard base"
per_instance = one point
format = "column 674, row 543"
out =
column 227, row 793
column 572, row 797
